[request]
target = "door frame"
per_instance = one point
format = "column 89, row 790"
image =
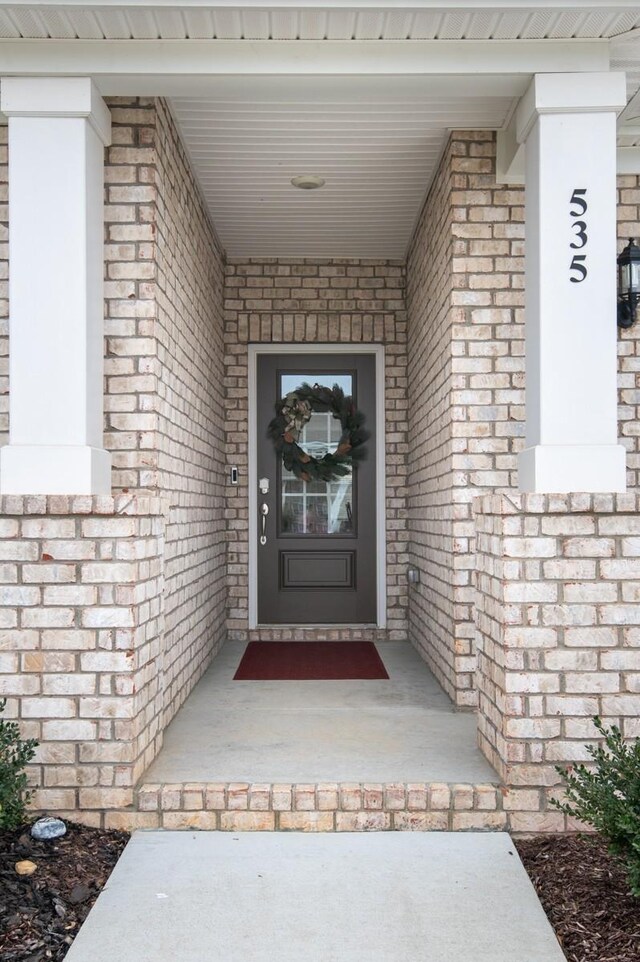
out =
column 377, row 350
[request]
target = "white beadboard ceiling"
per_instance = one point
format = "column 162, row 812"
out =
column 304, row 21
column 377, row 158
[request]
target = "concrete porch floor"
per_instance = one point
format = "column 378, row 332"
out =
column 401, row 730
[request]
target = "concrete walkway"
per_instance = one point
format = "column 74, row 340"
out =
column 262, row 897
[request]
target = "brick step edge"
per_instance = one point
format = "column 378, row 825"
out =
column 362, row 821
column 322, row 807
column 321, row 796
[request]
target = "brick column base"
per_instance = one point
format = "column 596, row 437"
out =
column 558, row 634
column 81, row 642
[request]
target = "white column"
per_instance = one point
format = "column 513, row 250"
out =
column 58, row 128
column 568, row 125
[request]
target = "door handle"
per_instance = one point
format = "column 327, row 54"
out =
column 264, row 511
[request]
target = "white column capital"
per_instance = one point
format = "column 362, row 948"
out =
column 569, row 93
column 56, row 97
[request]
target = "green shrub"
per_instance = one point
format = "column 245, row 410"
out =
column 607, row 796
column 14, row 755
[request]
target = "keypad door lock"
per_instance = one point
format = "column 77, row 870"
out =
column 263, row 485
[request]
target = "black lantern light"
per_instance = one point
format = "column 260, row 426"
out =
column 628, row 284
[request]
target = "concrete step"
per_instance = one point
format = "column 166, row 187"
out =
column 264, row 897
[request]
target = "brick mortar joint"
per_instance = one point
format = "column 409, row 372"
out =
column 314, row 821
column 574, row 503
column 119, row 505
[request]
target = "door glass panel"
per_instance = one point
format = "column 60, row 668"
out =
column 315, row 507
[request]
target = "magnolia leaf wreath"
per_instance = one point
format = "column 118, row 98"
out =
column 295, row 410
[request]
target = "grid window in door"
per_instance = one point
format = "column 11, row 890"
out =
column 314, row 507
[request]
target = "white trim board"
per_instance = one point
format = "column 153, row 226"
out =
column 254, row 350
column 114, row 63
column 482, row 5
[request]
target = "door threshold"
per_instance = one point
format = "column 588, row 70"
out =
column 314, row 627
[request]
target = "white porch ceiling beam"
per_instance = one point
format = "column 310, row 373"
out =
column 198, row 59
column 509, row 155
column 510, row 165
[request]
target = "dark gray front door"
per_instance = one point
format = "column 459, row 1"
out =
column 318, row 565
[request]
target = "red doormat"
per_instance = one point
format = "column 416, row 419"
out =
column 310, row 661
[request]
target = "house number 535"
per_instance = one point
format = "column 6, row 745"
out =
column 577, row 211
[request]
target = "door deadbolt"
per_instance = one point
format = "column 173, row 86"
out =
column 263, row 485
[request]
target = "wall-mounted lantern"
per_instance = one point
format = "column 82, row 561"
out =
column 628, row 284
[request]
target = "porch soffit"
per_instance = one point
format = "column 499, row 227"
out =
column 261, row 94
column 328, row 20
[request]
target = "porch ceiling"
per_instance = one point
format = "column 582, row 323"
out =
column 359, row 92
column 377, row 148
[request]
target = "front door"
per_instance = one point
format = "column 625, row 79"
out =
column 317, row 539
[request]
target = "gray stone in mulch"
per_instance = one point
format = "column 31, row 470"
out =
column 274, row 897
column 48, row 828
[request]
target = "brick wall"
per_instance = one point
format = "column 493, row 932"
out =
column 81, row 625
column 169, row 396
column 191, row 435
column 488, row 359
column 466, row 308
column 430, row 453
column 466, row 388
column 132, row 370
column 629, row 340
column 163, row 425
column 164, row 374
column 317, row 301
column 558, row 585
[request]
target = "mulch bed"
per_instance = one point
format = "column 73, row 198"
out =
column 585, row 893
column 40, row 914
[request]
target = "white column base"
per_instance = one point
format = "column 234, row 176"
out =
column 563, row 468
column 54, row 469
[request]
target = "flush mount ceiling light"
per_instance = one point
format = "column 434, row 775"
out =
column 308, row 181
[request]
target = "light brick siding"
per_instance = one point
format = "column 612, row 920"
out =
column 164, row 426
column 307, row 302
column 164, row 366
column 111, row 608
column 430, row 453
column 81, row 627
column 629, row 340
column 466, row 386
column 466, row 321
column 191, row 455
column 132, row 370
column 322, row 807
column 558, row 586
